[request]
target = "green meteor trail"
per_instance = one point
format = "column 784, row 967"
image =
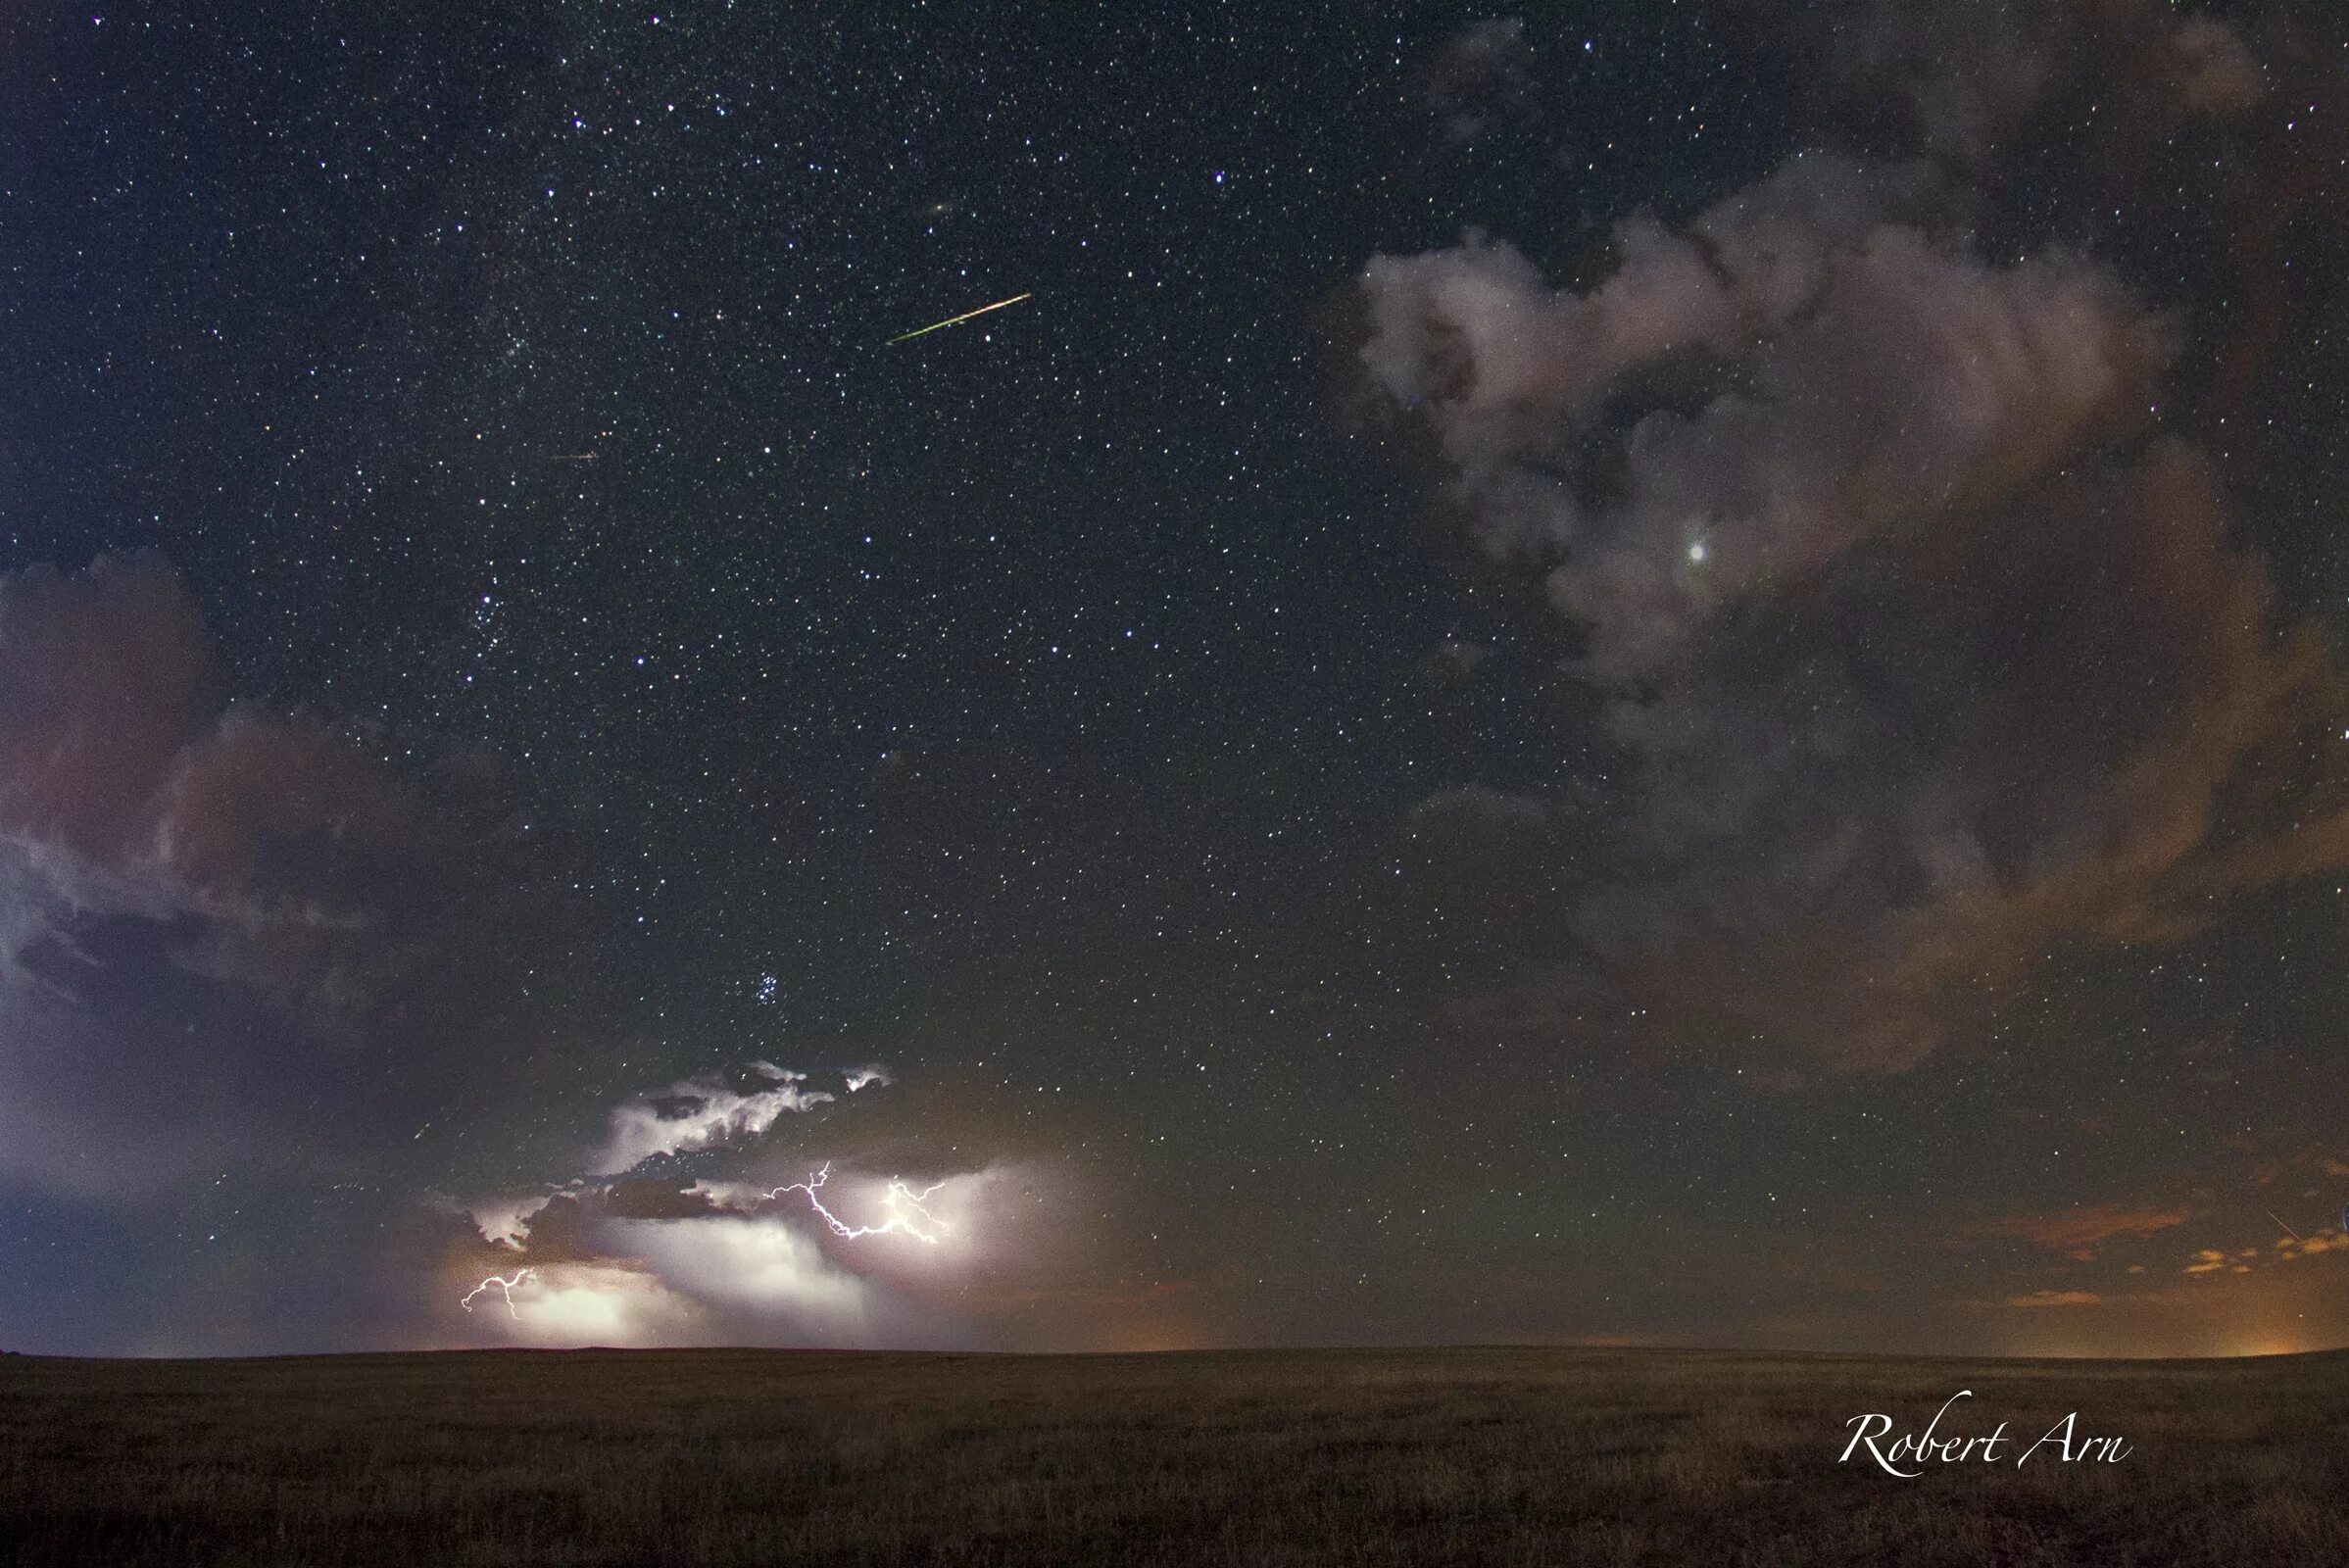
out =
column 964, row 317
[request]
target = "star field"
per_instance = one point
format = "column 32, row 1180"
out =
column 1139, row 716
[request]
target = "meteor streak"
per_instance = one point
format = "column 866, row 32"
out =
column 953, row 321
column 505, row 1285
column 2288, row 1230
column 906, row 1216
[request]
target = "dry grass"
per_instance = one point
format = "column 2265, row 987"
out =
column 1341, row 1458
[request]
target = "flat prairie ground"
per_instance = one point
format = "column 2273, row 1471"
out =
column 1536, row 1457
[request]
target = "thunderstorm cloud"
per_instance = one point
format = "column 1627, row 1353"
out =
column 703, row 1218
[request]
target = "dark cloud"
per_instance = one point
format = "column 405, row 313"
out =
column 1921, row 649
column 1967, row 74
column 105, row 679
column 1484, row 72
column 202, row 908
column 126, row 787
column 1848, row 812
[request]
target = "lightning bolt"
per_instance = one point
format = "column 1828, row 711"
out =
column 906, row 1216
column 505, row 1285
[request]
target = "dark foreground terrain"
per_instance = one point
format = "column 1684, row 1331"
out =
column 1403, row 1457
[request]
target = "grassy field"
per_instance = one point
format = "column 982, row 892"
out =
column 1333, row 1456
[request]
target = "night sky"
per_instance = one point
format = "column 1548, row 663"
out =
column 1646, row 673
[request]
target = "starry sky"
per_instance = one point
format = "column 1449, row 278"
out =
column 1649, row 674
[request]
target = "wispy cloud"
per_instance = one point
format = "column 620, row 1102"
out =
column 705, row 1112
column 2037, row 1298
column 2080, row 1229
